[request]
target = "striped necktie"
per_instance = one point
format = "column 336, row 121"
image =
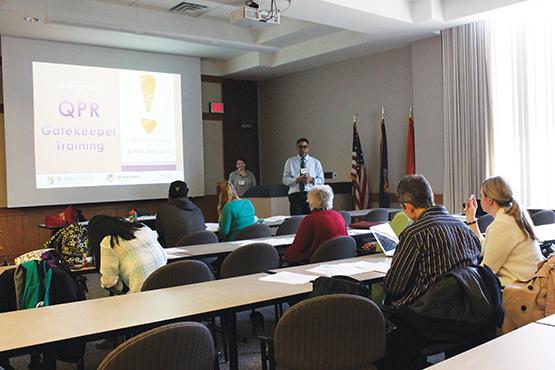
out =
column 303, row 165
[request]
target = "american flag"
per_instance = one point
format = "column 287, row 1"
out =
column 361, row 192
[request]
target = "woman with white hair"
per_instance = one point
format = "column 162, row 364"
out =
column 320, row 225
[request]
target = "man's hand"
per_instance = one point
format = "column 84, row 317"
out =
column 303, row 179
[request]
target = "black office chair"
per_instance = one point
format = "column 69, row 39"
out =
column 176, row 274
column 347, row 217
column 338, row 331
column 254, row 231
column 250, row 259
column 198, row 237
column 377, row 215
column 290, row 225
column 179, row 346
column 201, row 237
column 544, row 217
column 340, row 247
column 484, row 221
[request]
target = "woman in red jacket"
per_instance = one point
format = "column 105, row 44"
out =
column 317, row 227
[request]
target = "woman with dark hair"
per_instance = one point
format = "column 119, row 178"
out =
column 242, row 179
column 129, row 252
column 510, row 247
column 234, row 213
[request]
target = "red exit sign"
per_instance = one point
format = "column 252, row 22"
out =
column 216, row 107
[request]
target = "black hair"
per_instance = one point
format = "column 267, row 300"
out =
column 101, row 226
column 302, row 139
column 241, row 159
column 416, row 190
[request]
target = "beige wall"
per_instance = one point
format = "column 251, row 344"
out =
column 427, row 87
column 213, row 140
column 319, row 104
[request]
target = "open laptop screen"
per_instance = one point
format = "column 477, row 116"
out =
column 386, row 238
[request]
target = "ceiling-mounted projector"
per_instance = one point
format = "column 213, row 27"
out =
column 254, row 18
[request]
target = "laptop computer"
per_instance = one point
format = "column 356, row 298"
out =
column 386, row 238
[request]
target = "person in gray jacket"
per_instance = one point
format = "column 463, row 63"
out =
column 178, row 217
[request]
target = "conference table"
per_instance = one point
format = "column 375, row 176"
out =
column 40, row 329
column 528, row 347
column 218, row 249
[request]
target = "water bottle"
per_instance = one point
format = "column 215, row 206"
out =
column 133, row 216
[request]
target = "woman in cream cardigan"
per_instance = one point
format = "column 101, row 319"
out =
column 510, row 247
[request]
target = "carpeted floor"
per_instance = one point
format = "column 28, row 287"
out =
column 249, row 351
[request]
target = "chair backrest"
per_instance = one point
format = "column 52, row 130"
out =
column 290, row 225
column 338, row 331
column 178, row 273
column 179, row 346
column 377, row 215
column 250, row 259
column 484, row 221
column 347, row 217
column 198, row 237
column 254, row 231
column 337, row 248
column 544, row 217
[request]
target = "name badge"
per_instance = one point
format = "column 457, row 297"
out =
column 304, row 171
column 241, row 182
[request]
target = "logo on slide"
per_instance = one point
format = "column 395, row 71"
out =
column 148, row 87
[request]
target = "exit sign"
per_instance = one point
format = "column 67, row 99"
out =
column 216, row 107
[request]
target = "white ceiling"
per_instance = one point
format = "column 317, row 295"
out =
column 311, row 33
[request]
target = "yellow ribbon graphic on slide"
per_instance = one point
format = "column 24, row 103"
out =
column 148, row 124
column 148, row 87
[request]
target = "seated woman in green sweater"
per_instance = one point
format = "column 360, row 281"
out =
column 234, row 213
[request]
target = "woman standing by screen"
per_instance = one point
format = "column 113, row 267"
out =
column 242, row 179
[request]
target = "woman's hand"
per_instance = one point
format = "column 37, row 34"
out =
column 470, row 207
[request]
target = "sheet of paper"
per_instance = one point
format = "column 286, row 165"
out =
column 382, row 266
column 346, row 269
column 273, row 241
column 212, row 226
column 275, row 219
column 358, row 231
column 288, row 278
column 350, row 268
column 176, row 252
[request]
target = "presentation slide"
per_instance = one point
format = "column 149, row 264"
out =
column 103, row 126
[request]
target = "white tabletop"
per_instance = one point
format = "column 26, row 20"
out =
column 545, row 232
column 42, row 325
column 549, row 320
column 364, row 212
column 526, row 348
column 228, row 247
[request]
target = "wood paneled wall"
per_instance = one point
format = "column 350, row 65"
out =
column 20, row 232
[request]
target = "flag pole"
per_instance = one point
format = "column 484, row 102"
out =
column 383, row 113
column 410, row 111
column 355, row 116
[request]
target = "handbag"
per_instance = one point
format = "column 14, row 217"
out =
column 68, row 216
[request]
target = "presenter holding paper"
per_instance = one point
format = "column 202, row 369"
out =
column 301, row 173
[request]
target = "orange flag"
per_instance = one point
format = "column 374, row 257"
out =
column 411, row 163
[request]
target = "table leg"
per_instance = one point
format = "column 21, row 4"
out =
column 230, row 319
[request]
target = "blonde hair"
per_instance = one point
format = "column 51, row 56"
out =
column 320, row 197
column 226, row 193
column 500, row 191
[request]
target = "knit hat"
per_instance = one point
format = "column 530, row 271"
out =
column 178, row 189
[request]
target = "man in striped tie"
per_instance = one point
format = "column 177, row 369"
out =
column 301, row 173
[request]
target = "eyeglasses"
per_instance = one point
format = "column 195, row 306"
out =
column 302, row 146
